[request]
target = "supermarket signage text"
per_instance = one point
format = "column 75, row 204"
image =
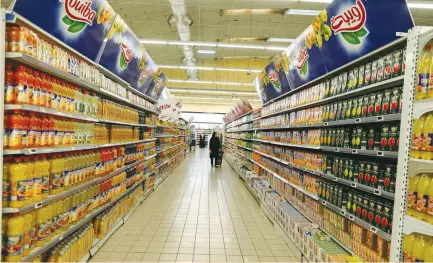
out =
column 80, row 10
column 301, row 58
column 352, row 20
column 164, row 107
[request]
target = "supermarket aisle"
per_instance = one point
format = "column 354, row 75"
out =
column 199, row 213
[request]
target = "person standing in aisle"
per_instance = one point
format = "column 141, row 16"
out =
column 214, row 147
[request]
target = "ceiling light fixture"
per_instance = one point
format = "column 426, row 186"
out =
column 284, row 40
column 318, row 1
column 209, row 44
column 302, row 12
column 211, row 68
column 261, row 11
column 210, row 82
column 201, row 51
column 213, row 98
column 213, row 91
column 420, row 5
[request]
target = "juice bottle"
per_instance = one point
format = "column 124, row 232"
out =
column 32, row 132
column 56, row 173
column 15, row 127
column 68, row 171
column 418, row 137
column 423, row 77
column 18, row 183
column 49, row 216
column 33, row 230
column 36, row 88
column 51, row 131
column 42, row 225
column 422, row 197
column 30, row 93
column 25, row 125
column 67, row 210
column 427, row 154
column 428, row 252
column 38, row 129
column 9, row 84
column 13, row 39
column 45, row 126
column 46, row 84
column 6, row 181
column 45, row 175
column 418, row 248
column 29, row 179
column 408, row 241
column 20, row 75
column 412, row 194
column 37, row 179
column 27, row 233
column 14, row 243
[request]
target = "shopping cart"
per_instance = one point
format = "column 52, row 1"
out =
column 219, row 158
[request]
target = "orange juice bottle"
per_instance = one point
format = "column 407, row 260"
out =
column 68, row 177
column 13, row 39
column 32, row 95
column 408, row 241
column 14, row 243
column 31, row 136
column 51, row 131
column 20, row 76
column 15, row 126
column 38, row 131
column 43, row 93
column 418, row 137
column 9, row 84
column 44, row 126
column 36, row 89
column 25, row 126
column 30, row 177
column 33, row 230
column 27, row 239
column 18, row 180
column 7, row 160
column 37, row 181
column 428, row 252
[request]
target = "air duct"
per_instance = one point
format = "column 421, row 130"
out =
column 183, row 23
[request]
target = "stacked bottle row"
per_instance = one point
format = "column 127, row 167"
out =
column 32, row 179
column 420, row 197
column 418, row 248
column 164, row 131
column 373, row 104
column 422, row 143
column 310, row 137
column 369, row 246
column 24, row 40
column 237, row 122
column 246, row 144
column 389, row 66
column 117, row 133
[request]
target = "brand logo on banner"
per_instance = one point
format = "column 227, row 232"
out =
column 302, row 61
column 78, row 14
column 126, row 55
column 351, row 24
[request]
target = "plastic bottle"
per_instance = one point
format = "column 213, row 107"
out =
column 56, row 174
column 428, row 251
column 15, row 126
column 419, row 246
column 29, row 179
column 25, row 125
column 412, row 194
column 422, row 197
column 42, row 225
column 33, row 130
column 418, row 137
column 33, row 229
column 32, row 94
column 18, row 183
column 9, row 84
column 6, row 192
column 37, row 91
column 45, row 175
column 408, row 241
column 37, row 179
column 423, row 77
column 27, row 239
column 14, row 245
column 20, row 89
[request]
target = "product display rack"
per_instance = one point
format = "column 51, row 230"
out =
column 405, row 166
column 127, row 100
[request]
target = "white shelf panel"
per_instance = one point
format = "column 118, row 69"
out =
column 418, row 166
column 414, row 225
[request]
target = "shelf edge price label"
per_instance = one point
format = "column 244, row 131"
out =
column 380, row 153
column 354, row 151
column 357, row 120
column 334, row 179
column 351, row 217
column 373, row 229
column 353, row 184
column 335, row 149
column 377, row 192
column 343, row 213
column 38, row 205
column 380, row 118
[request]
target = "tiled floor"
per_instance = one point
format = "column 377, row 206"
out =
column 199, row 214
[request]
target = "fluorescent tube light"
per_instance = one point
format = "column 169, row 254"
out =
column 241, row 46
column 212, row 91
column 211, row 68
column 276, row 48
column 302, row 12
column 198, row 68
column 191, row 43
column 317, row 1
column 156, row 42
column 284, row 40
column 420, row 5
column 201, row 51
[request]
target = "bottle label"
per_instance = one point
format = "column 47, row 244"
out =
column 38, row 138
column 67, row 178
column 428, row 142
column 37, row 186
column 422, row 203
column 56, row 180
column 423, row 82
column 9, row 93
column 26, row 239
column 29, row 94
column 43, row 229
column 24, row 138
column 32, row 235
column 19, row 94
column 29, row 189
column 14, row 245
column 418, row 139
column 412, row 199
column 36, row 97
column 45, row 184
column 15, row 138
column 31, row 138
column 44, row 139
column 6, row 189
column 6, row 133
column 51, row 136
column 18, row 190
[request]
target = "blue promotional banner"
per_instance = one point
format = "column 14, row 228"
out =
column 305, row 60
column 81, row 24
column 126, row 57
column 349, row 29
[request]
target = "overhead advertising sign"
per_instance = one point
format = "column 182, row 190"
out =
column 81, row 24
column 169, row 111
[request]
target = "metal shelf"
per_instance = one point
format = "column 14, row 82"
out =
column 168, row 148
column 245, row 130
column 305, row 146
column 244, row 139
column 54, row 198
column 375, row 119
column 38, row 251
column 414, row 225
column 296, row 126
column 356, row 92
column 238, row 153
column 418, row 166
column 126, row 123
column 239, row 117
column 356, row 220
column 165, row 162
column 361, row 152
column 248, row 121
column 166, row 136
column 49, row 111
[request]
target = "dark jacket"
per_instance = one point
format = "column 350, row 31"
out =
column 214, row 146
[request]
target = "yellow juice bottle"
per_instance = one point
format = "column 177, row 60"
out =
column 45, row 175
column 30, row 179
column 56, row 174
column 66, row 211
column 33, row 230
column 430, row 202
column 428, row 252
column 5, row 219
column 412, row 195
column 27, row 239
column 422, row 197
column 18, row 180
column 50, row 217
column 68, row 180
column 419, row 246
column 41, row 223
column 418, row 137
column 7, row 161
column 14, row 243
column 59, row 212
column 427, row 149
column 37, row 182
column 423, row 76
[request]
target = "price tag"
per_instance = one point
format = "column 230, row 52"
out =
column 377, row 192
column 357, row 120
column 32, row 150
column 355, row 151
column 38, row 205
column 380, row 118
column 353, row 184
column 351, row 217
column 335, row 179
column 343, row 213
column 323, row 202
column 325, row 124
column 373, row 229
column 380, row 153
column 335, row 149
column 94, row 146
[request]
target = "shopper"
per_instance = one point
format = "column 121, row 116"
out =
column 214, row 147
